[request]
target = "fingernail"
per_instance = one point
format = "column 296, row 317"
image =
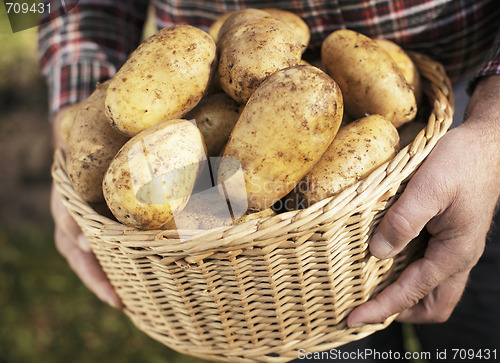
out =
column 83, row 242
column 113, row 303
column 356, row 325
column 379, row 247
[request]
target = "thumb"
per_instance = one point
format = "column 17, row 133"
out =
column 404, row 220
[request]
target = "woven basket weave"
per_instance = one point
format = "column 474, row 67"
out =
column 264, row 289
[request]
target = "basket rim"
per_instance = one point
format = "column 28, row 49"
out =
column 386, row 178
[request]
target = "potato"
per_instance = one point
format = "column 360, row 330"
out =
column 405, row 64
column 67, row 121
column 215, row 27
column 164, row 78
column 203, row 211
column 370, row 80
column 153, row 174
column 358, row 149
column 298, row 25
column 253, row 51
column 282, row 132
column 215, row 116
column 236, row 19
column 92, row 144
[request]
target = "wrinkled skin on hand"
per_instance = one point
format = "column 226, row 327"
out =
column 453, row 195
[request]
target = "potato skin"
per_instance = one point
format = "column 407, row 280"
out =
column 251, row 52
column 154, row 173
column 358, row 149
column 68, row 119
column 298, row 25
column 300, row 106
column 203, row 211
column 236, row 19
column 92, row 144
column 370, row 80
column 164, row 78
column 215, row 27
column 215, row 116
column 406, row 66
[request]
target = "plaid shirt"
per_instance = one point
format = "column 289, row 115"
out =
column 90, row 42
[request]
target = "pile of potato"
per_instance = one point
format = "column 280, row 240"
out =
column 199, row 130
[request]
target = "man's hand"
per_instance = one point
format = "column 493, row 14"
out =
column 72, row 244
column 453, row 195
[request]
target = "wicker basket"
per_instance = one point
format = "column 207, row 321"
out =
column 262, row 290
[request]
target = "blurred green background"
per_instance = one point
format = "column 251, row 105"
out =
column 46, row 313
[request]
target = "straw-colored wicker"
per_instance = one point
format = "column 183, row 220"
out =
column 264, row 289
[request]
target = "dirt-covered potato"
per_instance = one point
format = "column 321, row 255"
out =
column 405, row 64
column 235, row 20
column 215, row 116
column 164, row 78
column 358, row 149
column 370, row 80
column 92, row 144
column 203, row 211
column 283, row 130
column 67, row 121
column 154, row 173
column 252, row 51
column 215, row 27
column 298, row 25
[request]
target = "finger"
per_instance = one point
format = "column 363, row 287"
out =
column 87, row 268
column 437, row 306
column 416, row 282
column 407, row 217
column 83, row 243
column 62, row 218
column 443, row 259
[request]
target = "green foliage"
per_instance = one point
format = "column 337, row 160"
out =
column 48, row 315
column 18, row 58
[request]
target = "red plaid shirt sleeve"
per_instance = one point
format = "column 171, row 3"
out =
column 490, row 65
column 89, row 43
column 86, row 45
